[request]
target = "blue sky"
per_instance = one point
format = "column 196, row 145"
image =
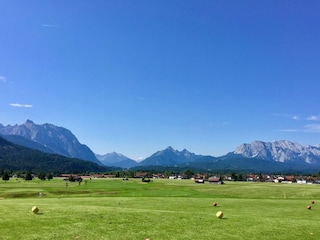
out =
column 137, row 76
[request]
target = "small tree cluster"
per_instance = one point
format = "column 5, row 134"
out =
column 42, row 176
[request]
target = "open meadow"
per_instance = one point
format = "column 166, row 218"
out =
column 161, row 209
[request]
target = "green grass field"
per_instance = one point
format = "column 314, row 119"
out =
column 162, row 209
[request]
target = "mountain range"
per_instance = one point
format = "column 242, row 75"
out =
column 281, row 151
column 261, row 156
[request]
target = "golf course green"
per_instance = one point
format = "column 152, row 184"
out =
column 161, row 209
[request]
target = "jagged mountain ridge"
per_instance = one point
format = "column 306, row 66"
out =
column 170, row 156
column 278, row 156
column 280, row 151
column 57, row 139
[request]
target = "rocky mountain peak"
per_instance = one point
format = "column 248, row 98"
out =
column 29, row 122
column 58, row 139
column 169, row 148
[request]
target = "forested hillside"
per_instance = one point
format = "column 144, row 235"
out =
column 17, row 158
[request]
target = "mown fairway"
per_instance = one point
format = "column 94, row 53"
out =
column 162, row 209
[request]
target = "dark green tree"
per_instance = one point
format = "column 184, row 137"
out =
column 28, row 177
column 49, row 176
column 129, row 174
column 71, row 178
column 42, row 176
column 5, row 176
column 240, row 177
column 234, row 177
column 168, row 173
column 188, row 173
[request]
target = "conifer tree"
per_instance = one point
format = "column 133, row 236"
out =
column 5, row 176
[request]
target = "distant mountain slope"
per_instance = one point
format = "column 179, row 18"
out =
column 169, row 157
column 18, row 158
column 57, row 139
column 19, row 140
column 116, row 160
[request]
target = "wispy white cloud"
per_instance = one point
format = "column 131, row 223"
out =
column 298, row 117
column 221, row 124
column 294, row 117
column 3, row 79
column 289, row 130
column 312, row 128
column 308, row 128
column 49, row 25
column 313, row 118
column 20, row 105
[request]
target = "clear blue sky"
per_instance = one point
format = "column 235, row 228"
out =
column 136, row 76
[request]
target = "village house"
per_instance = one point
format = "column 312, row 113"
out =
column 141, row 174
column 110, row 175
column 214, row 180
column 199, row 180
column 71, row 177
column 157, row 175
